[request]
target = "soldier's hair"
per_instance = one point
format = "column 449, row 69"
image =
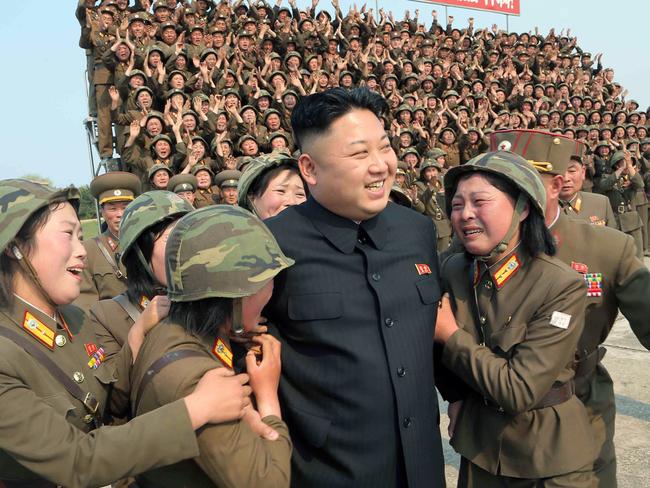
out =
column 314, row 115
column 261, row 183
column 139, row 282
column 25, row 241
column 534, row 235
column 201, row 317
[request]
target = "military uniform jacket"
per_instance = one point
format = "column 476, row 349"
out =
column 434, row 207
column 206, row 197
column 616, row 278
column 100, row 278
column 45, row 432
column 519, row 322
column 592, row 208
column 355, row 316
column 231, row 454
column 622, row 200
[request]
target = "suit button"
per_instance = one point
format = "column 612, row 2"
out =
column 401, row 372
column 60, row 340
column 482, row 320
column 407, row 422
column 86, row 419
column 78, row 377
column 376, row 277
column 488, row 285
column 389, row 322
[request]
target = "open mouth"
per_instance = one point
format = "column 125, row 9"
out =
column 376, row 186
column 472, row 232
column 76, row 271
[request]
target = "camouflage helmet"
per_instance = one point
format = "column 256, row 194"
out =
column 435, row 153
column 144, row 212
column 430, row 163
column 256, row 169
column 221, row 251
column 504, row 164
column 22, row 198
column 616, row 157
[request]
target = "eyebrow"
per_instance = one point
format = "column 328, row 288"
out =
column 363, row 141
column 72, row 223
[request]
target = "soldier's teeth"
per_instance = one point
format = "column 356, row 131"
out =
column 376, row 185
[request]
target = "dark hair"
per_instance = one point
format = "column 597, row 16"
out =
column 534, row 235
column 315, row 113
column 201, row 317
column 140, row 282
column 24, row 239
column 261, row 183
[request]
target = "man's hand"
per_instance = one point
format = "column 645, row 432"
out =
column 446, row 323
column 452, row 412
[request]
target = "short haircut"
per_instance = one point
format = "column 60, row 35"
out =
column 261, row 183
column 316, row 113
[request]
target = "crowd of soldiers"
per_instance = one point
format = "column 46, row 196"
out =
column 199, row 89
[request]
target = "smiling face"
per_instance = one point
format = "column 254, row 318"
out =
column 481, row 214
column 351, row 167
column 112, row 214
column 58, row 257
column 284, row 190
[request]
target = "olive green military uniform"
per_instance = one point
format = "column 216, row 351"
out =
column 513, row 352
column 182, row 183
column 434, row 207
column 592, row 208
column 204, row 197
column 231, row 453
column 228, row 179
column 103, row 277
column 54, row 386
column 616, row 278
column 112, row 323
column 46, row 433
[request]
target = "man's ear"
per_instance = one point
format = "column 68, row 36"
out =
column 307, row 169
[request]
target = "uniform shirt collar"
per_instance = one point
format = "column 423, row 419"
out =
column 342, row 232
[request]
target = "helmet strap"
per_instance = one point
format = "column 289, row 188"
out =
column 251, row 205
column 30, row 272
column 520, row 206
column 144, row 263
column 237, row 327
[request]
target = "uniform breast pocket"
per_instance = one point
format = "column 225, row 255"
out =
column 315, row 306
column 505, row 340
column 60, row 403
column 429, row 290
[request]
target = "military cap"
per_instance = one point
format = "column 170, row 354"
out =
column 547, row 152
column 278, row 133
column 221, row 251
column 139, row 16
column 143, row 89
column 162, row 137
column 602, row 144
column 207, row 52
column 645, row 141
column 292, row 54
column 168, row 25
column 154, row 114
column 508, row 165
column 247, row 107
column 344, row 73
column 176, row 91
column 147, row 210
column 228, row 178
column 402, row 168
column 181, row 183
column 243, row 33
column 196, row 27
column 278, row 73
column 290, row 92
column 258, row 167
column 21, row 199
column 157, row 167
column 231, row 91
column 616, row 157
column 431, row 162
column 105, row 10
column 137, row 72
column 159, row 5
column 244, row 138
column 115, row 186
column 202, row 167
column 400, row 197
column 450, row 93
column 177, row 72
column 269, row 112
column 409, row 150
column 435, row 153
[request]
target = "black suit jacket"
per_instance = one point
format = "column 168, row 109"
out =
column 355, row 316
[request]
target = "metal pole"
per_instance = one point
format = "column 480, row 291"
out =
column 507, row 23
column 446, row 17
column 377, row 9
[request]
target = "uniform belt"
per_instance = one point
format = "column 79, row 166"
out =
column 585, row 366
column 624, row 208
column 557, row 394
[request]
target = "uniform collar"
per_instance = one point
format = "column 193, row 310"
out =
column 343, row 232
column 502, row 271
column 575, row 203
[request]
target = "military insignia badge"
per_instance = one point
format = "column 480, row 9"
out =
column 223, row 352
column 595, row 284
column 506, row 271
column 97, row 358
column 39, row 330
column 90, row 349
column 579, row 267
column 144, row 301
column 423, row 269
column 595, row 220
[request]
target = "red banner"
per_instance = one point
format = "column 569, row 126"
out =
column 509, row 7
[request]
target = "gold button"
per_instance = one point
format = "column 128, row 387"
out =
column 60, row 340
column 482, row 320
column 86, row 419
column 78, row 377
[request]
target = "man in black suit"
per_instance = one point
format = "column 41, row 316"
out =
column 356, row 313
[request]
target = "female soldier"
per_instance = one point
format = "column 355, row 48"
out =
column 53, row 383
column 220, row 265
column 145, row 226
column 520, row 313
column 270, row 184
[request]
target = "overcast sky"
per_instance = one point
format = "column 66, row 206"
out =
column 44, row 98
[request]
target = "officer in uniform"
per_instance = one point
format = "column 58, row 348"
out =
column 434, row 200
column 206, row 193
column 620, row 185
column 54, row 388
column 518, row 315
column 103, row 277
column 591, row 207
column 616, row 279
column 112, row 318
column 227, row 181
column 245, row 260
column 185, row 186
